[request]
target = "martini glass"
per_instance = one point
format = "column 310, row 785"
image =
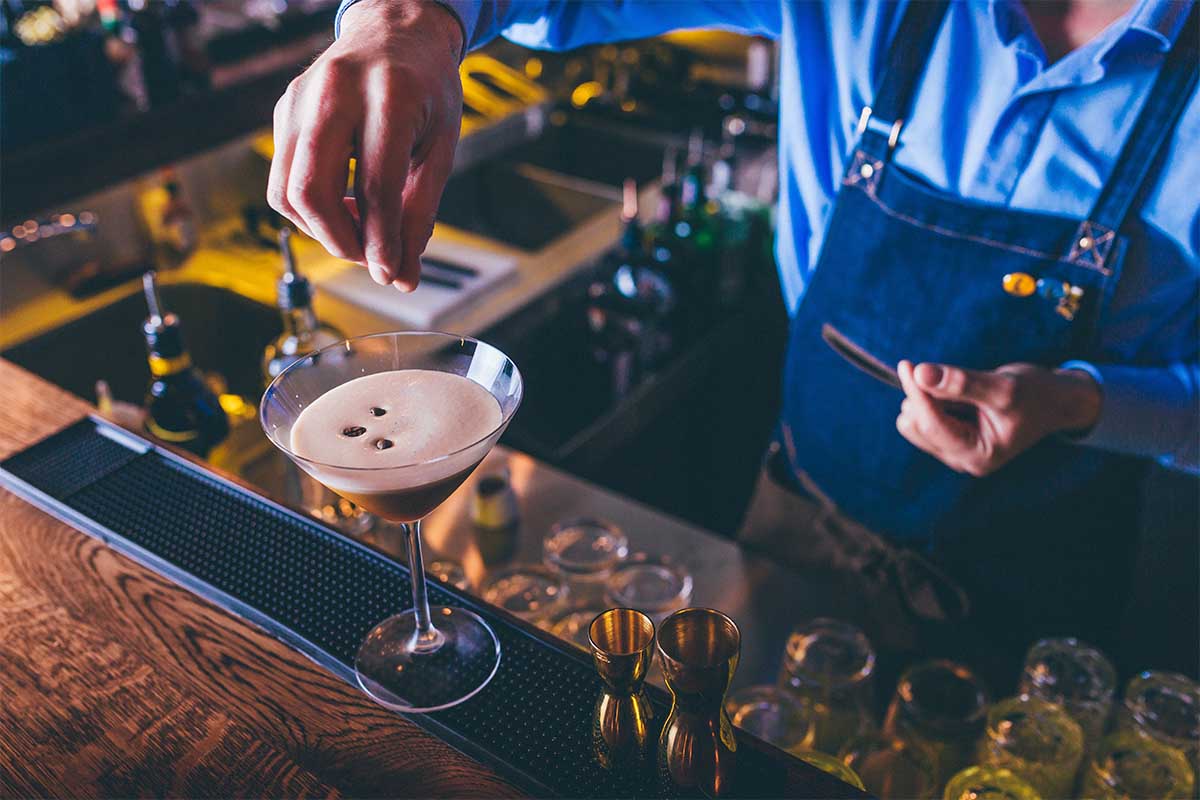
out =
column 407, row 662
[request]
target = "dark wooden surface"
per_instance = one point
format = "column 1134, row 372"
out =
column 116, row 682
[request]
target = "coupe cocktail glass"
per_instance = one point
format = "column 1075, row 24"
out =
column 423, row 659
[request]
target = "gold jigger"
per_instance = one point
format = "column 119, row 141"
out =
column 622, row 640
column 699, row 648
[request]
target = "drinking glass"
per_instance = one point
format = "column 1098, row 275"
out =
column 890, row 767
column 772, row 715
column 1129, row 766
column 1077, row 677
column 939, row 707
column 584, row 551
column 530, row 591
column 1165, row 706
column 652, row 584
column 830, row 666
column 1035, row 739
column 989, row 783
column 407, row 662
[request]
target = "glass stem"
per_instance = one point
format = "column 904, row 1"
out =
column 426, row 638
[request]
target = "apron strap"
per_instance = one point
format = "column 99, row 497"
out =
column 1142, row 154
column 880, row 123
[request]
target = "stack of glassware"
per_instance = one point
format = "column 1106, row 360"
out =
column 942, row 737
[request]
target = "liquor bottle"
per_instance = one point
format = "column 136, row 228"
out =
column 695, row 227
column 160, row 69
column 661, row 235
column 169, row 220
column 180, row 408
column 302, row 333
column 629, row 312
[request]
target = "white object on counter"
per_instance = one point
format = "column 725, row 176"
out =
column 452, row 276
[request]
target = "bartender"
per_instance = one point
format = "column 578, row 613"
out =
column 988, row 239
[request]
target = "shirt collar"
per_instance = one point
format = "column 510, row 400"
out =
column 1156, row 22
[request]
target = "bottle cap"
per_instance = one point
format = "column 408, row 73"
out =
column 493, row 503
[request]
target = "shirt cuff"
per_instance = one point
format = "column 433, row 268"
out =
column 465, row 13
column 1145, row 411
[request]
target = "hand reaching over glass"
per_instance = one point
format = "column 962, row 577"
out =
column 387, row 92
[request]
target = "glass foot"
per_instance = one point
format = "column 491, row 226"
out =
column 410, row 676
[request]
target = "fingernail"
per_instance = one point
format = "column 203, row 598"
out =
column 379, row 274
column 929, row 375
column 403, row 285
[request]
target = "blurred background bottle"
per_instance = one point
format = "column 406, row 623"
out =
column 302, row 332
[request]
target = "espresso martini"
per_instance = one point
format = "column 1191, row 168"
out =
column 398, row 442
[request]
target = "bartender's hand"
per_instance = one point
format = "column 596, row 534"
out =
column 388, row 92
column 975, row 422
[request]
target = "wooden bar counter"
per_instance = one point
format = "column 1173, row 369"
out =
column 116, row 682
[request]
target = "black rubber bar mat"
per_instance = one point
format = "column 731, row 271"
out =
column 320, row 592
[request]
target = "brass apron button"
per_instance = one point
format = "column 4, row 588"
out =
column 1019, row 284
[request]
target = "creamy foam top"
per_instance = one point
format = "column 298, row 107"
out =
column 396, row 418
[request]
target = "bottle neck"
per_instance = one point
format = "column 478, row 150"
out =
column 168, row 366
column 299, row 322
column 631, row 238
column 668, row 206
column 692, row 193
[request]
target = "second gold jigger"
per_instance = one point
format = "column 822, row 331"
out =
column 699, row 648
column 622, row 643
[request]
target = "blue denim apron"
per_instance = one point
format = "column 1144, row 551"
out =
column 908, row 272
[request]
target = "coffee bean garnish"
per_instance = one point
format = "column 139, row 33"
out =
column 376, row 411
column 354, row 430
column 383, row 444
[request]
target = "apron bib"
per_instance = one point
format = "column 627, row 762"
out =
column 908, row 272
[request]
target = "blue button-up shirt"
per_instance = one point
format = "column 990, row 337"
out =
column 992, row 121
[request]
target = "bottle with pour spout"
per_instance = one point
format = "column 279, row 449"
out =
column 302, row 332
column 180, row 407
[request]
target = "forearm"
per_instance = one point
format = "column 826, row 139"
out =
column 1147, row 411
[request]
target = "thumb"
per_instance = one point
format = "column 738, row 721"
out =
column 965, row 385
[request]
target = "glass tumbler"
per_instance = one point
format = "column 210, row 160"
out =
column 655, row 585
column 772, row 715
column 584, row 552
column 532, row 592
column 988, row 783
column 1077, row 677
column 830, row 665
column 1129, row 766
column 939, row 707
column 1166, row 707
column 1036, row 740
column 890, row 767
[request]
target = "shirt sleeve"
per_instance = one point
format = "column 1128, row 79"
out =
column 562, row 24
column 1147, row 411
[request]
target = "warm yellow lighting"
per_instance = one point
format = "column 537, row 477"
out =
column 628, row 105
column 7, row 245
column 66, row 220
column 533, row 68
column 584, row 93
column 233, row 405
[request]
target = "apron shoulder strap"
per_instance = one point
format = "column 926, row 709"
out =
column 1141, row 155
column 903, row 66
